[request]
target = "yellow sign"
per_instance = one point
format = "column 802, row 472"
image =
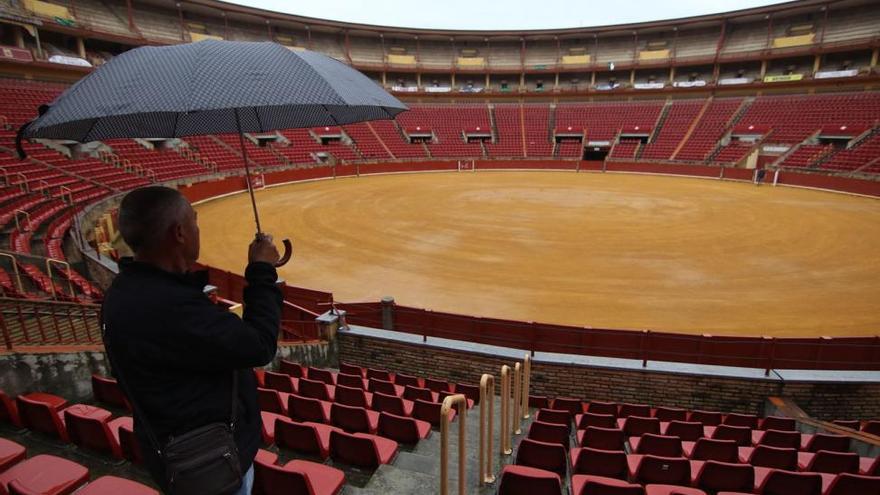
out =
column 46, row 9
column 471, row 61
column 202, row 37
column 401, row 59
column 789, row 41
column 575, row 59
column 783, row 78
column 653, row 54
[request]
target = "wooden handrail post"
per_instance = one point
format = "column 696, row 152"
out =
column 517, row 399
column 506, row 447
column 527, row 379
column 487, row 413
column 448, row 403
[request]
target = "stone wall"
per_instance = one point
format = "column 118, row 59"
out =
column 691, row 391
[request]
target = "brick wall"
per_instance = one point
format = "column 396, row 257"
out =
column 822, row 400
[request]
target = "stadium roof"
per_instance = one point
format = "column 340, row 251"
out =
column 511, row 15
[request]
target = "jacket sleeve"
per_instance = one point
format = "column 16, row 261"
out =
column 215, row 339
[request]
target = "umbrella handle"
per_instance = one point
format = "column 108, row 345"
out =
column 288, row 252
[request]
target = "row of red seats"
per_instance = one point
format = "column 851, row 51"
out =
column 51, row 475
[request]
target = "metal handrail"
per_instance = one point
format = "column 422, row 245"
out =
column 5, row 175
column 506, row 442
column 517, row 399
column 526, row 383
column 49, row 262
column 24, row 182
column 12, row 261
column 448, row 403
column 18, row 222
column 487, row 413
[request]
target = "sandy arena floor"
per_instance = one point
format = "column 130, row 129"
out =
column 601, row 250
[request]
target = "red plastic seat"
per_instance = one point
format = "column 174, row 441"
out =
column 549, row 432
column 582, row 421
column 268, row 421
column 403, row 429
column 91, row 428
column 539, row 402
column 304, row 437
column 707, row 418
column 661, row 470
column 635, row 426
column 826, row 461
column 416, row 393
column 777, row 438
column 350, row 396
column 46, row 474
column 435, row 385
column 292, row 369
column 272, row 401
column 308, row 409
column 662, row 445
column 771, row 457
column 351, row 369
column 392, row 404
column 353, row 381
column 573, row 406
column 670, row 414
column 853, row 484
column 295, row 477
column 321, row 375
column 872, row 427
column 281, row 382
column 706, row 449
column 778, row 423
column 128, row 443
column 316, row 390
column 599, row 485
column 687, row 431
column 824, row 441
column 554, row 416
column 542, row 455
column 714, row 476
column 750, row 421
column 472, row 392
column 385, row 387
column 869, row 466
column 601, row 438
column 404, row 380
column 260, row 377
column 430, row 412
column 106, row 390
column 655, row 489
column 524, row 480
column 111, row 485
column 9, row 411
column 354, row 419
column 361, row 449
column 742, row 435
column 599, row 462
column 599, row 407
column 10, row 453
column 45, row 417
column 626, row 410
column 374, row 374
column 780, row 482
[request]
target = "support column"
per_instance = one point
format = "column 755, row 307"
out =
column 632, row 77
column 556, row 83
column 763, row 69
column 384, row 78
column 19, row 37
column 81, row 47
column 671, row 75
column 388, row 313
column 592, row 79
column 39, row 43
column 817, row 63
column 874, row 57
column 419, row 80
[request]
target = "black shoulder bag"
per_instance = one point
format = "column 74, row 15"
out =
column 203, row 461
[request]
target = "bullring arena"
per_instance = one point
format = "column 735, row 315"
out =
column 637, row 258
column 588, row 249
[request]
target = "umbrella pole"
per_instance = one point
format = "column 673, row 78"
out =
column 247, row 171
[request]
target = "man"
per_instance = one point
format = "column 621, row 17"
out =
column 175, row 350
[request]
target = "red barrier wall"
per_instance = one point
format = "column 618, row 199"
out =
column 845, row 184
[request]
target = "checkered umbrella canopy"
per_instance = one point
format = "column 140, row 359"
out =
column 211, row 87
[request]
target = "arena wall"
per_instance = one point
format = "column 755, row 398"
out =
column 822, row 400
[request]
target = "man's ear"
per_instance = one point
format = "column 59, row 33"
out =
column 178, row 233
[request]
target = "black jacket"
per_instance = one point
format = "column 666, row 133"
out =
column 177, row 352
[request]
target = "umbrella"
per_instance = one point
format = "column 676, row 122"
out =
column 211, row 87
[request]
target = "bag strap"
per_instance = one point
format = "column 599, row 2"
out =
column 151, row 436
